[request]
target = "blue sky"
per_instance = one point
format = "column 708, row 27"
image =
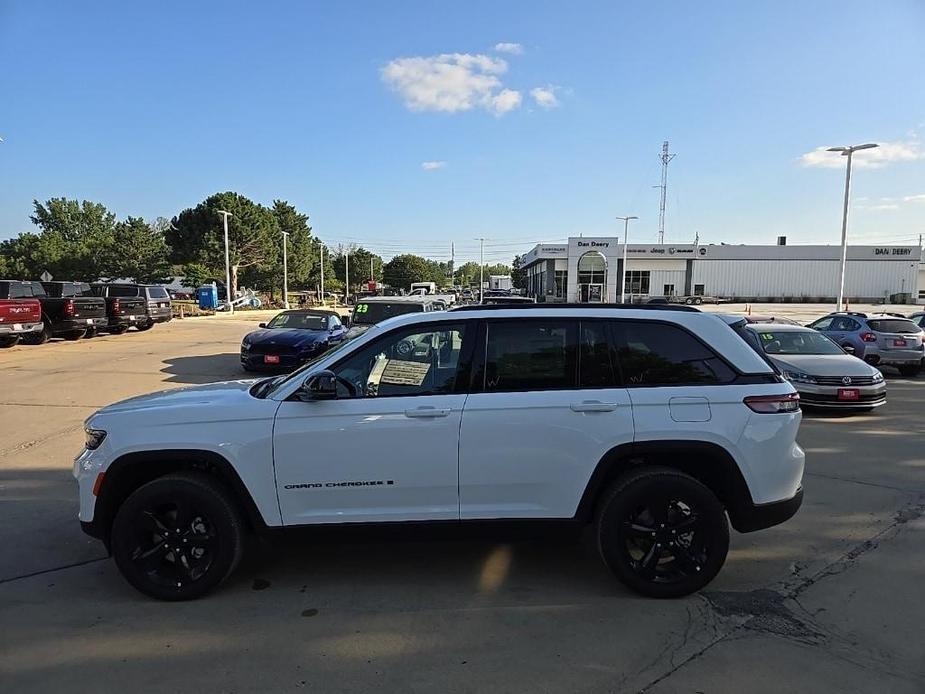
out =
column 150, row 107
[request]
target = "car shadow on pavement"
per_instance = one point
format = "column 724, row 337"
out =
column 206, row 368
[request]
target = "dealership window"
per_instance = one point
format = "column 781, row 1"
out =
column 698, row 290
column 657, row 354
column 531, row 355
column 637, row 282
column 561, row 283
column 669, row 290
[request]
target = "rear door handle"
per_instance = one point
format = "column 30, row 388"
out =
column 422, row 412
column 593, row 406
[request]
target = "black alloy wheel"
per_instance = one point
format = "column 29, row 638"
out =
column 145, row 326
column 74, row 335
column 662, row 533
column 177, row 537
column 9, row 341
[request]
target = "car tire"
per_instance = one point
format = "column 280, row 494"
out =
column 688, row 301
column 74, row 335
column 661, row 500
column 910, row 371
column 91, row 332
column 190, row 509
column 40, row 337
column 698, row 301
column 117, row 329
column 145, row 326
column 9, row 341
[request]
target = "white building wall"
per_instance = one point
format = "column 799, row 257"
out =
column 803, row 278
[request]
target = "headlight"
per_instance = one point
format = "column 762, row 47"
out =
column 798, row 377
column 94, row 438
column 878, row 377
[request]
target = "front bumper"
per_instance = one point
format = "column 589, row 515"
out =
column 287, row 362
column 827, row 396
column 760, row 516
column 19, row 328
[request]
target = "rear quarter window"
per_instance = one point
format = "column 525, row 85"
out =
column 158, row 293
column 658, row 354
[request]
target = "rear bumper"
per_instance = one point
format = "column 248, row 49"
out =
column 127, row 321
column 160, row 315
column 760, row 516
column 892, row 357
column 72, row 324
column 10, row 328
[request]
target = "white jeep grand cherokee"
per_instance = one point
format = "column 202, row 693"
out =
column 653, row 424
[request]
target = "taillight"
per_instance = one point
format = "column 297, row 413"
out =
column 773, row 404
column 868, row 337
column 69, row 307
column 116, row 307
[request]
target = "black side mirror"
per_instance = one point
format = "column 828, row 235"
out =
column 321, row 385
column 849, row 349
column 261, row 325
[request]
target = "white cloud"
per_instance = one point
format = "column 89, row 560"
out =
column 886, row 153
column 915, row 198
column 878, row 208
column 512, row 48
column 451, row 82
column 545, row 97
column 432, row 165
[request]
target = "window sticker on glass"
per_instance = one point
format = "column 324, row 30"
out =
column 362, row 308
column 404, row 373
column 767, row 337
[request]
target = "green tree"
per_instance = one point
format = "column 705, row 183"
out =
column 402, row 270
column 138, row 252
column 196, row 236
column 195, row 275
column 302, row 250
column 518, row 274
column 359, row 261
column 75, row 240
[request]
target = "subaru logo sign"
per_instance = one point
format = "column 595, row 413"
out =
column 846, row 380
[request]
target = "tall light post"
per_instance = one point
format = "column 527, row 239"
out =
column 626, row 228
column 846, row 152
column 481, row 267
column 321, row 245
column 225, row 215
column 346, row 275
column 285, row 272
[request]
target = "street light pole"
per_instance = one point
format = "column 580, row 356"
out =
column 285, row 272
column 846, row 152
column 225, row 215
column 626, row 229
column 346, row 275
column 481, row 267
column 322, row 271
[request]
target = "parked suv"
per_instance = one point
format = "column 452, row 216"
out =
column 654, row 425
column 879, row 340
column 122, row 312
column 157, row 308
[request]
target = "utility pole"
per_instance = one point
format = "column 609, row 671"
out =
column 846, row 152
column 322, row 270
column 481, row 267
column 225, row 216
column 452, row 262
column 346, row 275
column 626, row 230
column 285, row 272
column 665, row 158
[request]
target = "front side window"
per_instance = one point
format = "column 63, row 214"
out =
column 845, row 325
column 657, row 354
column 527, row 355
column 822, row 324
column 407, row 362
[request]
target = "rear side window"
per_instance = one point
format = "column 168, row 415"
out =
column 893, row 325
column 595, row 356
column 158, row 293
column 12, row 290
column 846, row 325
column 531, row 355
column 658, row 354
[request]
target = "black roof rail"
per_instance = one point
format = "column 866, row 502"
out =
column 525, row 306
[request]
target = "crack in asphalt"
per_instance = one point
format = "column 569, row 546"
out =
column 52, row 570
column 765, row 611
column 862, row 482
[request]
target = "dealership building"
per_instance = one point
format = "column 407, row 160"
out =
column 588, row 270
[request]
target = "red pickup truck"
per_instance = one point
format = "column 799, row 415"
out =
column 18, row 316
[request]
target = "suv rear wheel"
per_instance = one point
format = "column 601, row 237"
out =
column 661, row 532
column 177, row 537
column 910, row 371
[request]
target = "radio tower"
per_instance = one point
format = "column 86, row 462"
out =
column 665, row 157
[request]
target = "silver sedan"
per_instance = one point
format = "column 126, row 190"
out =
column 823, row 373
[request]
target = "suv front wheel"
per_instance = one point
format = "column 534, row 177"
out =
column 178, row 536
column 661, row 532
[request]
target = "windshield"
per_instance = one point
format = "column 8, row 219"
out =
column 299, row 321
column 894, row 325
column 371, row 312
column 796, row 342
column 266, row 387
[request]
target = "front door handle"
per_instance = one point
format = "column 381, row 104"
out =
column 593, row 406
column 422, row 412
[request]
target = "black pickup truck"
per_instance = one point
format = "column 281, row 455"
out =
column 156, row 299
column 122, row 312
column 69, row 310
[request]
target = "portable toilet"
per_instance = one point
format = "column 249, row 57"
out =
column 207, row 296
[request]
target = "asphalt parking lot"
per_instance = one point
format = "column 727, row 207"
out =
column 830, row 601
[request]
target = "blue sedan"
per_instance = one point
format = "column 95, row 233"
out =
column 290, row 340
